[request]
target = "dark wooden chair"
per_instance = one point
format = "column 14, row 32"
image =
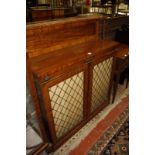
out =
column 121, row 66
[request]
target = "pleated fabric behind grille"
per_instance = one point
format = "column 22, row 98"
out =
column 67, row 103
column 101, row 81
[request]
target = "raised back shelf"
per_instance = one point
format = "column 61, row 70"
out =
column 46, row 37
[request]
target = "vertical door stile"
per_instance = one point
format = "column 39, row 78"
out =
column 89, row 76
column 48, row 116
column 85, row 96
column 111, row 80
column 64, row 103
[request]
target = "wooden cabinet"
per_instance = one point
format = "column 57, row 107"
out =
column 74, row 89
column 72, row 74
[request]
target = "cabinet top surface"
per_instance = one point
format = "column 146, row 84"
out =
column 71, row 55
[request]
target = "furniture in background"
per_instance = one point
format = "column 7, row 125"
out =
column 121, row 64
column 111, row 25
column 46, row 13
column 122, row 34
column 122, row 58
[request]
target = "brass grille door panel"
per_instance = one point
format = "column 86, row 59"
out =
column 101, row 81
column 66, row 100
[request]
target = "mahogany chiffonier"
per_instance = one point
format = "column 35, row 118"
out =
column 71, row 82
column 73, row 86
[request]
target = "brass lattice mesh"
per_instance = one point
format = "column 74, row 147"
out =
column 67, row 103
column 101, row 79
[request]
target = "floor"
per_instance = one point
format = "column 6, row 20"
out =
column 119, row 144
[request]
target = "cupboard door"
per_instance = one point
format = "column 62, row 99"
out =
column 100, row 83
column 66, row 100
column 64, row 103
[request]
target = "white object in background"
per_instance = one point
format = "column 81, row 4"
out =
column 32, row 138
column 123, row 6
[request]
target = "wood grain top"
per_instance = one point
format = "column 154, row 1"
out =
column 63, row 21
column 71, row 55
column 46, row 37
